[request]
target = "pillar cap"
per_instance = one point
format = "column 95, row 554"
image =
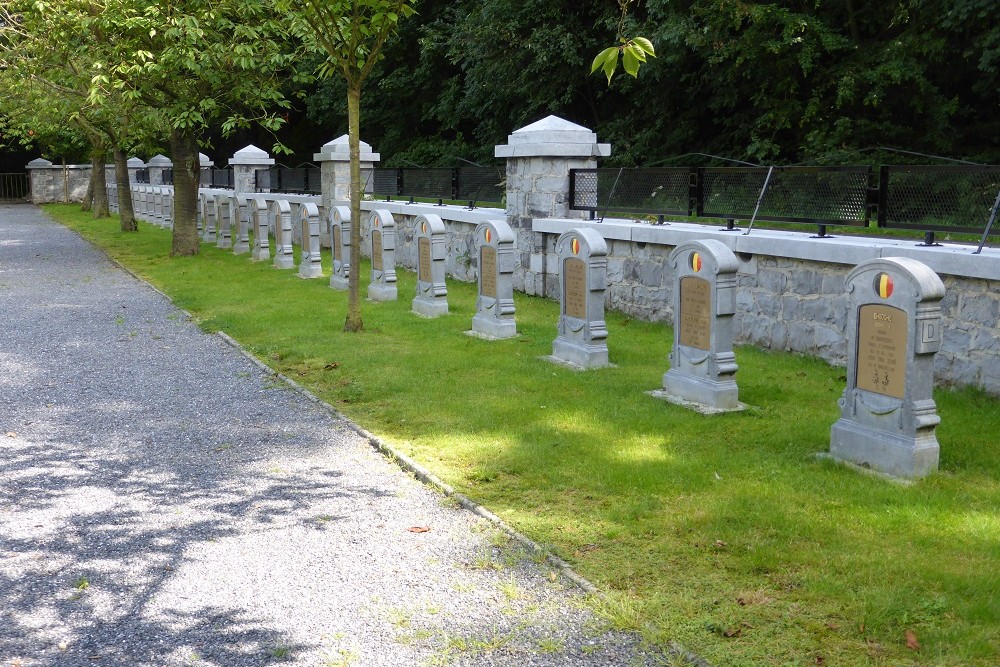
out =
column 251, row 155
column 338, row 150
column 135, row 163
column 552, row 137
column 159, row 161
column 39, row 163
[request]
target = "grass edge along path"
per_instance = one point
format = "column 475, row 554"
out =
column 725, row 534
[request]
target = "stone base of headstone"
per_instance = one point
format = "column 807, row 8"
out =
column 717, row 395
column 429, row 307
column 338, row 283
column 580, row 355
column 209, row 236
column 694, row 406
column 307, row 271
column 494, row 328
column 224, row 243
column 485, row 336
column 260, row 254
column 241, row 247
column 894, row 454
column 284, row 262
column 382, row 292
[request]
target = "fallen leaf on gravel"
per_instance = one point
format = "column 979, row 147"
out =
column 11, row 434
column 911, row 640
column 553, row 576
column 419, row 529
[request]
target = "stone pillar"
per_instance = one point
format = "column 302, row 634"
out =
column 334, row 160
column 887, row 412
column 42, row 177
column 157, row 165
column 134, row 165
column 539, row 157
column 246, row 162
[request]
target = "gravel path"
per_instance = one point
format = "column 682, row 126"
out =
column 163, row 501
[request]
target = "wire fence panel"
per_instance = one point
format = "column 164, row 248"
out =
column 14, row 188
column 481, row 184
column 659, row 190
column 811, row 195
column 938, row 198
column 304, row 180
column 223, row 178
column 142, row 176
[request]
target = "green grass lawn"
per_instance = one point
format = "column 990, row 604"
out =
column 726, row 533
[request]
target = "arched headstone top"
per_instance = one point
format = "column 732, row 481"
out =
column 708, row 255
column 924, row 283
column 308, row 210
column 381, row 218
column 258, row 204
column 588, row 243
column 429, row 224
column 494, row 232
column 339, row 214
column 282, row 206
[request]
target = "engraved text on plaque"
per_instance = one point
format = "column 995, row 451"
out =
column 488, row 271
column 575, row 297
column 377, row 250
column 881, row 354
column 695, row 319
column 424, row 260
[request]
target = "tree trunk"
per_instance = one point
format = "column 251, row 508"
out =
column 99, row 182
column 354, row 322
column 88, row 199
column 125, row 210
column 184, row 153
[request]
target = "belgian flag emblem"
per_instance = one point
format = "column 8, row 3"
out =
column 574, row 245
column 423, row 227
column 883, row 285
column 696, row 262
column 376, row 221
column 489, row 235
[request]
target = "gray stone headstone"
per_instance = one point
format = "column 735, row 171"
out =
column 382, row 236
column 887, row 412
column 158, row 206
column 168, row 208
column 223, row 212
column 208, row 206
column 702, row 364
column 494, row 316
column 340, row 245
column 241, row 237
column 432, row 249
column 261, row 245
column 284, row 257
column 583, row 279
column 309, row 264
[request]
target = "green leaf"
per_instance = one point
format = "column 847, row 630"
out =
column 610, row 64
column 630, row 62
column 602, row 58
column 645, row 45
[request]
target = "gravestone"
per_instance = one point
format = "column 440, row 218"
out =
column 432, row 249
column 309, row 264
column 168, row 209
column 158, row 206
column 283, row 252
column 494, row 316
column 208, row 206
column 583, row 279
column 223, row 213
column 241, row 237
column 382, row 234
column 702, row 363
column 887, row 412
column 340, row 244
column 261, row 245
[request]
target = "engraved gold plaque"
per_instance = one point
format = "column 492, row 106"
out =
column 881, row 355
column 424, row 259
column 377, row 250
column 695, row 321
column 488, row 271
column 575, row 287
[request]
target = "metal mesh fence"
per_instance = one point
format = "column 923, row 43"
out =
column 466, row 184
column 655, row 190
column 142, row 176
column 937, row 198
column 306, row 180
column 814, row 195
column 222, row 178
